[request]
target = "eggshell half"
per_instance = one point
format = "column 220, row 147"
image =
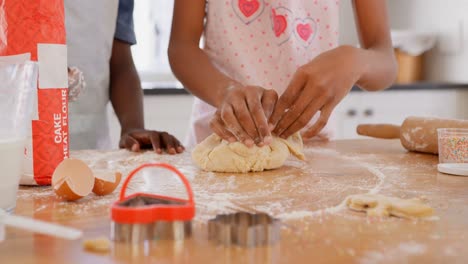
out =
column 106, row 182
column 72, row 179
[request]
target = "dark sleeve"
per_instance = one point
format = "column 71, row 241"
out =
column 124, row 30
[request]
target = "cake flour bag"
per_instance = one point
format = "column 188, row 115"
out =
column 35, row 29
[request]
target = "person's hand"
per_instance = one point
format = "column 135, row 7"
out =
column 243, row 115
column 76, row 84
column 317, row 86
column 135, row 140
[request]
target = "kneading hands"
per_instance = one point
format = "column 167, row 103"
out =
column 253, row 114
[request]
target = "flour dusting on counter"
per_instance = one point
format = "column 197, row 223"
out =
column 306, row 196
column 400, row 253
column 306, row 185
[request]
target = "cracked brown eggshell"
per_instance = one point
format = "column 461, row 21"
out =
column 106, row 182
column 72, row 180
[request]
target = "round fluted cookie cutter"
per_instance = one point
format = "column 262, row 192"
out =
column 142, row 216
column 244, row 229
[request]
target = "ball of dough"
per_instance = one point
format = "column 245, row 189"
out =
column 217, row 155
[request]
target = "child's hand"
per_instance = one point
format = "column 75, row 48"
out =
column 243, row 115
column 136, row 140
column 317, row 86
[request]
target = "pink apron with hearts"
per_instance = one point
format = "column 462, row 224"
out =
column 263, row 42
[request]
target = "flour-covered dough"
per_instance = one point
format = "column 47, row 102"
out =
column 379, row 205
column 217, row 155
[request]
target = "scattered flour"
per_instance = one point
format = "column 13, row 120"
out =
column 398, row 254
column 304, row 214
column 322, row 151
column 376, row 172
column 412, row 248
column 416, row 129
column 220, row 193
column 448, row 251
column 334, row 209
column 410, row 140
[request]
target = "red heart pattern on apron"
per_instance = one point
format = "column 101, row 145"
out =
column 305, row 30
column 248, row 10
column 281, row 24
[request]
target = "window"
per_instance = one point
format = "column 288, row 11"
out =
column 152, row 20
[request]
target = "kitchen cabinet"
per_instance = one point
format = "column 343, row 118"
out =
column 394, row 106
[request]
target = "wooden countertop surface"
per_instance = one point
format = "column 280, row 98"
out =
column 304, row 195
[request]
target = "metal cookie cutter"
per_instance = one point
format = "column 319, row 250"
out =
column 244, row 229
column 141, row 216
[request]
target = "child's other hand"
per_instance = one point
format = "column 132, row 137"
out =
column 317, row 86
column 243, row 115
column 138, row 139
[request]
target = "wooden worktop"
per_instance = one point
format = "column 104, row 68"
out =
column 304, row 195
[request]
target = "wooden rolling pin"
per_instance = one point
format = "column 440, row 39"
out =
column 416, row 133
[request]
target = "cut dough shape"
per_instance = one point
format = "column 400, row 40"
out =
column 217, row 155
column 98, row 245
column 379, row 205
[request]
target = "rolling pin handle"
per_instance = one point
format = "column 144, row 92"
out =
column 384, row 131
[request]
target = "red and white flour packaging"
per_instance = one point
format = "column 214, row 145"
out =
column 36, row 29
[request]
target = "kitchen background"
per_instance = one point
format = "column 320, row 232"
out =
column 443, row 90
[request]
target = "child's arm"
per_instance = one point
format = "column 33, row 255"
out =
column 321, row 84
column 240, row 113
column 127, row 99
